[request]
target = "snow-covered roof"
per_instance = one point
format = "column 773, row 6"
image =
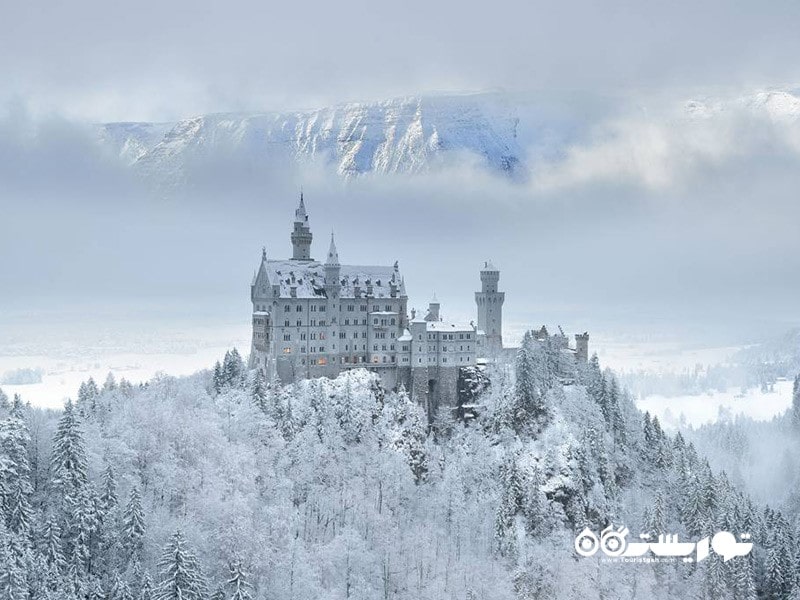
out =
column 406, row 337
column 449, row 327
column 309, row 278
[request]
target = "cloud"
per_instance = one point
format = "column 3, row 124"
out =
column 107, row 61
column 679, row 147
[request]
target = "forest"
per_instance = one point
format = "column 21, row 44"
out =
column 226, row 486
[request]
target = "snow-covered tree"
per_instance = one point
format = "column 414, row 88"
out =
column 180, row 576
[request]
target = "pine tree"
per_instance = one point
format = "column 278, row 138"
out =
column 110, row 383
column 529, row 409
column 120, row 590
column 146, row 591
column 68, row 462
column 108, row 497
column 133, row 527
column 237, row 582
column 775, row 577
column 15, row 483
column 258, row 390
column 180, row 576
column 82, row 534
column 796, row 402
column 218, row 380
column 510, row 505
column 51, row 547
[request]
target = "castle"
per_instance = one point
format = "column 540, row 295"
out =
column 317, row 319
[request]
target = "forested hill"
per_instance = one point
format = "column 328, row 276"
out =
column 222, row 486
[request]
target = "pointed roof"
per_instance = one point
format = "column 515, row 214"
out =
column 333, row 255
column 434, row 300
column 300, row 215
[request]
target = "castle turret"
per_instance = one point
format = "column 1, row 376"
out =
column 490, row 308
column 333, row 283
column 582, row 347
column 301, row 234
column 433, row 309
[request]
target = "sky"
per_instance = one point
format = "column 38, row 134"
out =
column 106, row 61
column 646, row 221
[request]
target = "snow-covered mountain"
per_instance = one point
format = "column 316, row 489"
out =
column 406, row 135
column 505, row 134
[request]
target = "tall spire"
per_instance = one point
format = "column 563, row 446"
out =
column 301, row 234
column 300, row 215
column 333, row 254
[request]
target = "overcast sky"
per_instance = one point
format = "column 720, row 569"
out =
column 155, row 60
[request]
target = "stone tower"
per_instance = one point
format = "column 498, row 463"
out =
column 333, row 282
column 490, row 308
column 582, row 347
column 301, row 235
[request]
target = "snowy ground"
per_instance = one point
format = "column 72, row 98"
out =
column 696, row 410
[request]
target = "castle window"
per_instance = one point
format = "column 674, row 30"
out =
column 391, row 347
column 322, row 348
column 444, row 360
column 286, row 323
column 322, row 308
column 322, row 335
column 287, row 350
column 420, row 360
column 342, row 335
column 322, row 323
column 299, row 308
column 313, row 322
column 393, row 321
column 313, row 308
column 375, row 348
column 287, row 337
column 287, row 308
column 364, row 322
column 322, row 361
column 350, row 308
column 355, row 335
column 363, row 308
column 374, row 321
column 299, row 323
column 303, row 349
column 388, row 307
column 302, row 336
column 375, row 308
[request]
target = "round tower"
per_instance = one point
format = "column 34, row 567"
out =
column 490, row 308
column 301, row 234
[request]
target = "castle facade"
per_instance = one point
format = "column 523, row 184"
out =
column 317, row 319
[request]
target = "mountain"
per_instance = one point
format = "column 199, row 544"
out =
column 509, row 134
column 406, row 135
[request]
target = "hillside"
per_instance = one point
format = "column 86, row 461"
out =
column 223, row 486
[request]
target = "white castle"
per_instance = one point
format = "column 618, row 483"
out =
column 314, row 319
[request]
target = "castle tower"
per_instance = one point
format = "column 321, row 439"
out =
column 301, row 235
column 433, row 309
column 333, row 283
column 490, row 308
column 582, row 347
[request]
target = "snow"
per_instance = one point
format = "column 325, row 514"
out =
column 309, row 278
column 696, row 410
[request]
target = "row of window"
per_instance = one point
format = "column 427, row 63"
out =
column 323, row 308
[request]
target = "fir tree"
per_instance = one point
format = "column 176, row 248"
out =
column 51, row 547
column 133, row 527
column 108, row 497
column 237, row 582
column 15, row 483
column 258, row 390
column 796, row 402
column 110, row 383
column 180, row 576
column 146, row 591
column 68, row 462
